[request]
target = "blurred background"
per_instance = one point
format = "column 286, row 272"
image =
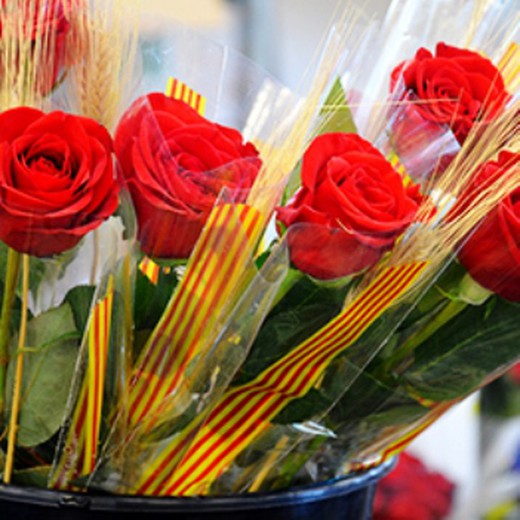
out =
column 476, row 451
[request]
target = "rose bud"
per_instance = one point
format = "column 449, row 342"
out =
column 57, row 180
column 350, row 209
column 491, row 254
column 176, row 164
column 455, row 87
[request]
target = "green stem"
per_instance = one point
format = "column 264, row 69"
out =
column 448, row 312
column 11, row 280
column 292, row 278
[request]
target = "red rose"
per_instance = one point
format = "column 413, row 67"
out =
column 56, row 180
column 412, row 491
column 460, row 87
column 492, row 253
column 46, row 26
column 176, row 163
column 514, row 374
column 350, row 209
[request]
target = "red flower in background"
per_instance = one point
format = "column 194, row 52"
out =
column 514, row 374
column 57, row 180
column 411, row 492
column 46, row 26
column 492, row 253
column 176, row 163
column 454, row 87
column 350, row 209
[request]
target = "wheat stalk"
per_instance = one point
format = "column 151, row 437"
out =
column 27, row 57
column 104, row 37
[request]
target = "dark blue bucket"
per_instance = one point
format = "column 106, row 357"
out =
column 348, row 498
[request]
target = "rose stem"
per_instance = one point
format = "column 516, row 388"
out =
column 126, row 364
column 448, row 312
column 13, row 424
column 268, row 464
column 95, row 254
column 127, row 355
column 11, row 280
column 292, row 278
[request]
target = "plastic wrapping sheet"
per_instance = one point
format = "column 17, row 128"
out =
column 487, row 27
column 238, row 92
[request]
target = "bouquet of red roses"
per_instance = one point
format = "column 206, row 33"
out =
column 159, row 337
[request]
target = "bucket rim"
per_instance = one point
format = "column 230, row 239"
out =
column 315, row 492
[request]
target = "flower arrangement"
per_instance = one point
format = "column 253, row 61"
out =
column 158, row 338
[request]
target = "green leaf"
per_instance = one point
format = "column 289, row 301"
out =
column 303, row 409
column 151, row 300
column 293, row 184
column 466, row 351
column 80, row 300
column 32, row 477
column 301, row 312
column 49, row 361
column 335, row 114
column 500, row 399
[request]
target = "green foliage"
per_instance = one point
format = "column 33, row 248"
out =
column 302, row 311
column 80, row 300
column 335, row 113
column 301, row 410
column 32, row 477
column 151, row 300
column 463, row 353
column 49, row 361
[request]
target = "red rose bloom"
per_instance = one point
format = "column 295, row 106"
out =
column 176, row 163
column 492, row 253
column 350, row 209
column 56, row 180
column 460, row 87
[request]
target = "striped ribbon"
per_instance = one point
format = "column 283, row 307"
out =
column 150, row 269
column 197, row 457
column 509, row 66
column 178, row 90
column 399, row 167
column 402, row 442
column 211, row 283
column 81, row 447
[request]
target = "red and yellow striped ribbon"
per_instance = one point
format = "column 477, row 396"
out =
column 150, row 269
column 402, row 442
column 398, row 166
column 178, row 90
column 195, row 459
column 211, row 283
column 81, row 448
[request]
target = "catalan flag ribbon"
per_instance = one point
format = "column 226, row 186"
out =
column 196, row 458
column 212, row 282
column 178, row 90
column 404, row 439
column 414, row 431
column 150, row 269
column 81, row 445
